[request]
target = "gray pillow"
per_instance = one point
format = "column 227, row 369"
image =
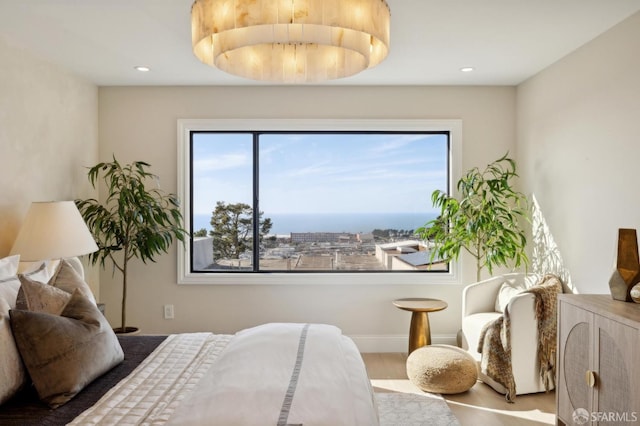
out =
column 65, row 353
column 68, row 279
column 37, row 297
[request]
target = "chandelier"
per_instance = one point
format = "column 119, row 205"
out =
column 291, row 41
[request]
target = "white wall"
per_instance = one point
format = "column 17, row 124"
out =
column 140, row 123
column 579, row 150
column 48, row 134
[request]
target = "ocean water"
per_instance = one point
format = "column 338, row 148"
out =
column 284, row 223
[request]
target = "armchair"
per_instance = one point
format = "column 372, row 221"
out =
column 483, row 302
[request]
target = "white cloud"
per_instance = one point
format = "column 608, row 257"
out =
column 205, row 165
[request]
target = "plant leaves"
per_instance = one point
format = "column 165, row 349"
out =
column 484, row 220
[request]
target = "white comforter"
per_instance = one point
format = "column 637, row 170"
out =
column 275, row 374
column 150, row 394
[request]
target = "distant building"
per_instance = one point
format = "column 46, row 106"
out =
column 407, row 256
column 202, row 255
column 365, row 237
column 321, row 237
column 280, row 252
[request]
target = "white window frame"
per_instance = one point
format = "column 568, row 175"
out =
column 186, row 126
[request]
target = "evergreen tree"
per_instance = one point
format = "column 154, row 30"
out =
column 200, row 233
column 232, row 229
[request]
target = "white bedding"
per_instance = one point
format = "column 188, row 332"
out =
column 149, row 395
column 283, row 374
column 275, row 374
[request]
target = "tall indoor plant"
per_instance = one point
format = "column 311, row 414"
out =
column 485, row 219
column 134, row 220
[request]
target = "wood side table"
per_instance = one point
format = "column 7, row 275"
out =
column 419, row 331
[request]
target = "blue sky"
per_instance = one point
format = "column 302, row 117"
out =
column 321, row 173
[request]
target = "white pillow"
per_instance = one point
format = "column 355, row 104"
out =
column 9, row 266
column 12, row 373
column 507, row 291
column 531, row 280
column 36, row 271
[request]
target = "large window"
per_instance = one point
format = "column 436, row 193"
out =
column 330, row 198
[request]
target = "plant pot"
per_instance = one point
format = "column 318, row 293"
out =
column 129, row 331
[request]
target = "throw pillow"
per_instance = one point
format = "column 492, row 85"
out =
column 37, row 271
column 37, row 297
column 68, row 279
column 507, row 291
column 12, row 373
column 9, row 266
column 65, row 353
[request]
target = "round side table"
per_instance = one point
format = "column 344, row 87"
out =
column 419, row 332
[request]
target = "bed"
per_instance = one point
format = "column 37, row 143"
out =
column 277, row 373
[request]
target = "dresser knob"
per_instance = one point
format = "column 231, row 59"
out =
column 591, row 378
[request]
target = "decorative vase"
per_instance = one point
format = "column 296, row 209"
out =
column 627, row 273
column 635, row 293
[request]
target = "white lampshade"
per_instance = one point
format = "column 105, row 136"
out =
column 53, row 230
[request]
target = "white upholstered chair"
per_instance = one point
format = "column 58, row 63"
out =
column 483, row 302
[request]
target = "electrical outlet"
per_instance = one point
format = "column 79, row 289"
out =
column 168, row 311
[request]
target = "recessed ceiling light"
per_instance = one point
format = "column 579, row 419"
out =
column 142, row 68
column 467, row 69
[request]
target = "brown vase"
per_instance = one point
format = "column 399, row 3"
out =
column 627, row 272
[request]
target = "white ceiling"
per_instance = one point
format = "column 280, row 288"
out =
column 507, row 41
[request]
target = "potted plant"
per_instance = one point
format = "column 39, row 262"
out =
column 133, row 221
column 485, row 219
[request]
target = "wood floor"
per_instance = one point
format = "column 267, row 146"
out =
column 481, row 405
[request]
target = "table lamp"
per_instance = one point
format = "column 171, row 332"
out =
column 53, row 230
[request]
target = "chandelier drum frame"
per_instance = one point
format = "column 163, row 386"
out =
column 291, row 41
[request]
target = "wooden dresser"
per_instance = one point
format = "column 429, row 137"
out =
column 598, row 362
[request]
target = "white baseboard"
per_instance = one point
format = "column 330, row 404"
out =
column 396, row 343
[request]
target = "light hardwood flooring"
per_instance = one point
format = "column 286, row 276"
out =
column 479, row 406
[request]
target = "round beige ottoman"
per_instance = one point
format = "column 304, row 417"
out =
column 442, row 369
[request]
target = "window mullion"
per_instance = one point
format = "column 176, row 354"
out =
column 256, row 203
